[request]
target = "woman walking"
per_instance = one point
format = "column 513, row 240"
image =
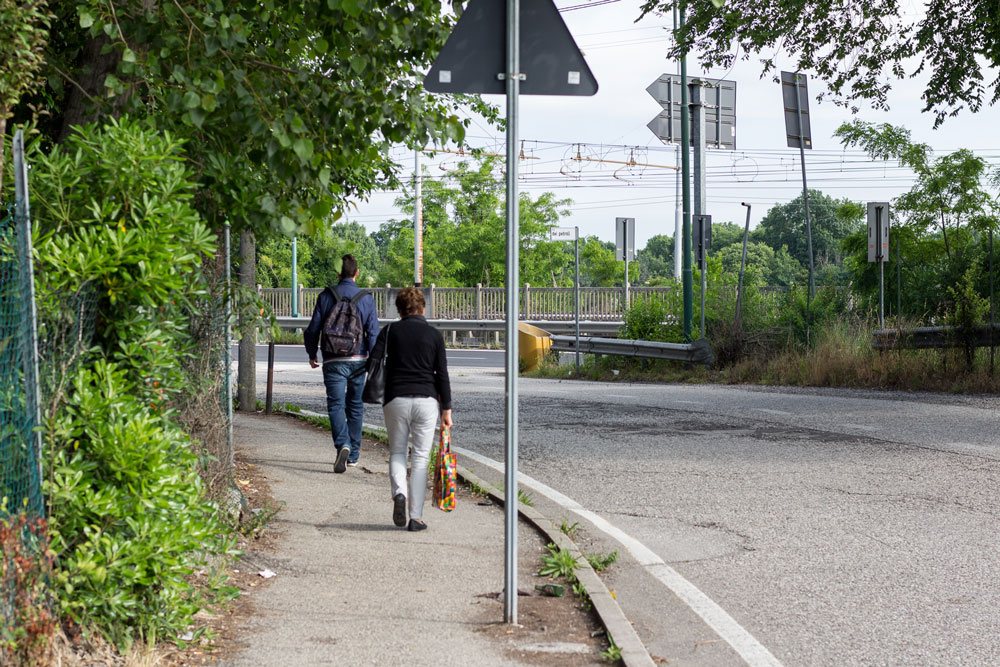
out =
column 417, row 391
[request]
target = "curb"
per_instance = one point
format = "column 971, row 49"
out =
column 618, row 627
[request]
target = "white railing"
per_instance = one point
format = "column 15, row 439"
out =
column 597, row 304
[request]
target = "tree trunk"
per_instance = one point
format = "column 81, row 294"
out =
column 87, row 90
column 246, row 381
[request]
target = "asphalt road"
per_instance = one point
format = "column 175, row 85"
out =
column 293, row 354
column 833, row 527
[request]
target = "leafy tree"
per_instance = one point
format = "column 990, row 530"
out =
column 949, row 190
column 832, row 220
column 23, row 35
column 656, row 260
column 938, row 229
column 598, row 266
column 858, row 48
column 465, row 233
column 764, row 266
column 289, row 109
column 725, row 233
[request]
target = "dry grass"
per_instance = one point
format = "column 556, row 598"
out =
column 841, row 356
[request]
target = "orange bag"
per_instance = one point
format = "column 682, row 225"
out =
column 445, row 473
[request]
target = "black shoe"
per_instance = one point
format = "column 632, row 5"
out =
column 399, row 510
column 341, row 464
column 415, row 525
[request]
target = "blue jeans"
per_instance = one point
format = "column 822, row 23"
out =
column 344, row 382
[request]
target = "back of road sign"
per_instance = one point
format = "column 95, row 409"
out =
column 796, row 102
column 476, row 53
column 878, row 231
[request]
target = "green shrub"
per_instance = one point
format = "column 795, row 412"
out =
column 129, row 521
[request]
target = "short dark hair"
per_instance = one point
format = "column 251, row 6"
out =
column 348, row 266
column 410, row 301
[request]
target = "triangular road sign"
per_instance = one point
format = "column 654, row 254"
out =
column 476, row 53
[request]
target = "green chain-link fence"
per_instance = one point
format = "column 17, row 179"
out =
column 20, row 477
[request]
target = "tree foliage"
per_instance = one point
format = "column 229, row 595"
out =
column 784, row 225
column 289, row 108
column 858, row 48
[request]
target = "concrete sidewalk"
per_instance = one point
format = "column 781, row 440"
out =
column 353, row 589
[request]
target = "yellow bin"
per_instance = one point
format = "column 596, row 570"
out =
column 533, row 344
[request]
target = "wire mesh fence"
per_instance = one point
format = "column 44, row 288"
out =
column 20, row 479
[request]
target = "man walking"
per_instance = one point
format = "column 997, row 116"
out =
column 344, row 326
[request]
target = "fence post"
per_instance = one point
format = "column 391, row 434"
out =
column 385, row 302
column 430, row 301
column 527, row 301
column 478, row 301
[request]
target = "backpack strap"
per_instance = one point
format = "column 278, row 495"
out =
column 360, row 295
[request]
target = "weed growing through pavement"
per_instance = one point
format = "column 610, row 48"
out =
column 601, row 562
column 525, row 498
column 569, row 529
column 559, row 563
column 478, row 489
column 613, row 653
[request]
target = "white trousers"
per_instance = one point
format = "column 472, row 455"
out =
column 410, row 420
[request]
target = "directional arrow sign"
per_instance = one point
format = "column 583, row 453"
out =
column 720, row 110
column 474, row 58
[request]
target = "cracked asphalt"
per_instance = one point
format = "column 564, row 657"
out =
column 837, row 527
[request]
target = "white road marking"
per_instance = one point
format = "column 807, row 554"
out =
column 752, row 651
column 772, row 412
column 621, row 395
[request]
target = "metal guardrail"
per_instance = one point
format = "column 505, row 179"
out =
column 696, row 352
column 606, row 328
column 926, row 338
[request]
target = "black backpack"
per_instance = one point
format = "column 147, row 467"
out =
column 343, row 329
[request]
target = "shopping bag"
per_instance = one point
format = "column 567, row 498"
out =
column 445, row 473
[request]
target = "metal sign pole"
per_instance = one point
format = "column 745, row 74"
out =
column 805, row 188
column 513, row 74
column 702, row 251
column 576, row 296
column 992, row 320
column 881, row 267
column 625, row 235
column 418, row 222
column 295, row 276
column 687, row 278
column 743, row 264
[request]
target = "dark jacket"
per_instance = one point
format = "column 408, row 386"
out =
column 417, row 364
column 325, row 303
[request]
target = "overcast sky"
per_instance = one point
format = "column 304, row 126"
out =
column 625, row 57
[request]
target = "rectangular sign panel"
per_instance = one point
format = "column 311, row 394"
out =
column 624, row 238
column 878, row 231
column 562, row 234
column 702, row 230
column 793, row 108
column 719, row 98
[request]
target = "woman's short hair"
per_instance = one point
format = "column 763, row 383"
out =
column 410, row 301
